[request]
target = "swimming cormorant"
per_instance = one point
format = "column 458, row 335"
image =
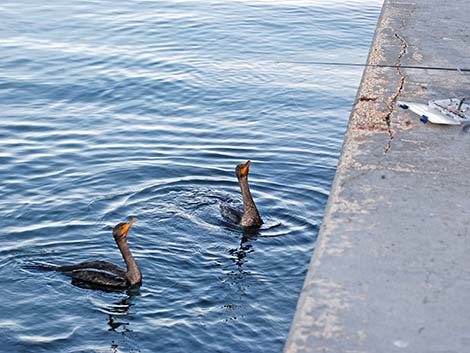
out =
column 249, row 217
column 103, row 273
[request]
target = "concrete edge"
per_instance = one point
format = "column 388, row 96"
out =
column 322, row 239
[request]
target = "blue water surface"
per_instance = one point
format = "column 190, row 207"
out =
column 113, row 109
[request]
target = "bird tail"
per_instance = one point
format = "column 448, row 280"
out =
column 41, row 266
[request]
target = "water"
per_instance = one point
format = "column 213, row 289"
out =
column 113, row 109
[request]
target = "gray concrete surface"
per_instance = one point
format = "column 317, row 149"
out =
column 391, row 269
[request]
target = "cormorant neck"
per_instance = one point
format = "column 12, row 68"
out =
column 251, row 217
column 133, row 274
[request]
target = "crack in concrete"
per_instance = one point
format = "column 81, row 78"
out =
column 394, row 97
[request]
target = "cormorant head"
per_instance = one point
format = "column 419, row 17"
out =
column 242, row 169
column 121, row 230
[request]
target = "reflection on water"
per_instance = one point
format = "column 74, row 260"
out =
column 113, row 109
column 241, row 251
column 116, row 314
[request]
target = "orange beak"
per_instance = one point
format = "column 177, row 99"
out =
column 127, row 226
column 244, row 169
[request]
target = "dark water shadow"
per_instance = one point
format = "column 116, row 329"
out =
column 119, row 310
column 240, row 253
column 117, row 313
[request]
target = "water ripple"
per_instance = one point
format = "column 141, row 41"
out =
column 118, row 109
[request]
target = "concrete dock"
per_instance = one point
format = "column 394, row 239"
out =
column 391, row 268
